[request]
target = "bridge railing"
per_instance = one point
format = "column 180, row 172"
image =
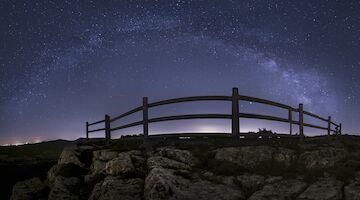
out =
column 235, row 115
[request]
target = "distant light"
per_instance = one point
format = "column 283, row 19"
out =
column 184, row 138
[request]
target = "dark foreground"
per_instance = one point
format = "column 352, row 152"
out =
column 202, row 168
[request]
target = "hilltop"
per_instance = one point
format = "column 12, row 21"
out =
column 213, row 168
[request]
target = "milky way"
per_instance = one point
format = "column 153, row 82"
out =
column 64, row 63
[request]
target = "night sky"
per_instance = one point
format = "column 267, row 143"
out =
column 63, row 63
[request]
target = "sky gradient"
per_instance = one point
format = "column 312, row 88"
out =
column 63, row 63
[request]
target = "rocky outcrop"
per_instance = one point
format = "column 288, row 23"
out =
column 65, row 170
column 250, row 183
column 164, row 184
column 70, row 156
column 178, row 155
column 170, row 173
column 65, row 188
column 120, row 165
column 158, row 161
column 324, row 189
column 248, row 157
column 252, row 156
column 352, row 191
column 29, row 189
column 322, row 158
column 286, row 189
column 113, row 188
column 104, row 155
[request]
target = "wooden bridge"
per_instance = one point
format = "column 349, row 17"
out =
column 235, row 115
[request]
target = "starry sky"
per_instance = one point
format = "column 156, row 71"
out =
column 63, row 63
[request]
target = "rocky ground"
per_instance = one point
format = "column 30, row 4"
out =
column 313, row 170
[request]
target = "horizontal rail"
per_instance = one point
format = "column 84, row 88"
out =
column 315, row 116
column 98, row 122
column 127, row 113
column 264, row 117
column 315, row 126
column 195, row 116
column 96, row 130
column 190, row 135
column 334, row 124
column 263, row 101
column 187, row 99
column 128, row 125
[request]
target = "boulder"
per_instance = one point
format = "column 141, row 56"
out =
column 286, row 189
column 206, row 190
column 158, row 161
column 98, row 167
column 322, row 158
column 250, row 183
column 65, row 170
column 70, row 156
column 323, row 189
column 284, row 156
column 162, row 183
column 138, row 160
column 28, row 190
column 116, row 188
column 248, row 156
column 104, row 155
column 273, row 179
column 178, row 155
column 65, row 188
column 121, row 165
column 226, row 180
column 352, row 191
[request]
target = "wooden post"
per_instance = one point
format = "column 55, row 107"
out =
column 87, row 130
column 145, row 118
column 301, row 121
column 340, row 127
column 329, row 125
column 235, row 113
column 290, row 121
column 107, row 130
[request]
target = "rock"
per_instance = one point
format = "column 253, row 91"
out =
column 121, row 165
column 273, row 179
column 323, row 189
column 322, row 158
column 116, row 188
column 352, row 191
column 98, row 167
column 29, row 189
column 158, row 161
column 178, row 155
column 92, row 179
column 284, row 156
column 248, row 157
column 104, row 155
column 226, row 180
column 162, row 183
column 250, row 183
column 65, row 170
column 286, row 189
column 205, row 190
column 138, row 159
column 65, row 188
column 70, row 156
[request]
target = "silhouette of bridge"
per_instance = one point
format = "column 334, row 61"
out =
column 235, row 115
